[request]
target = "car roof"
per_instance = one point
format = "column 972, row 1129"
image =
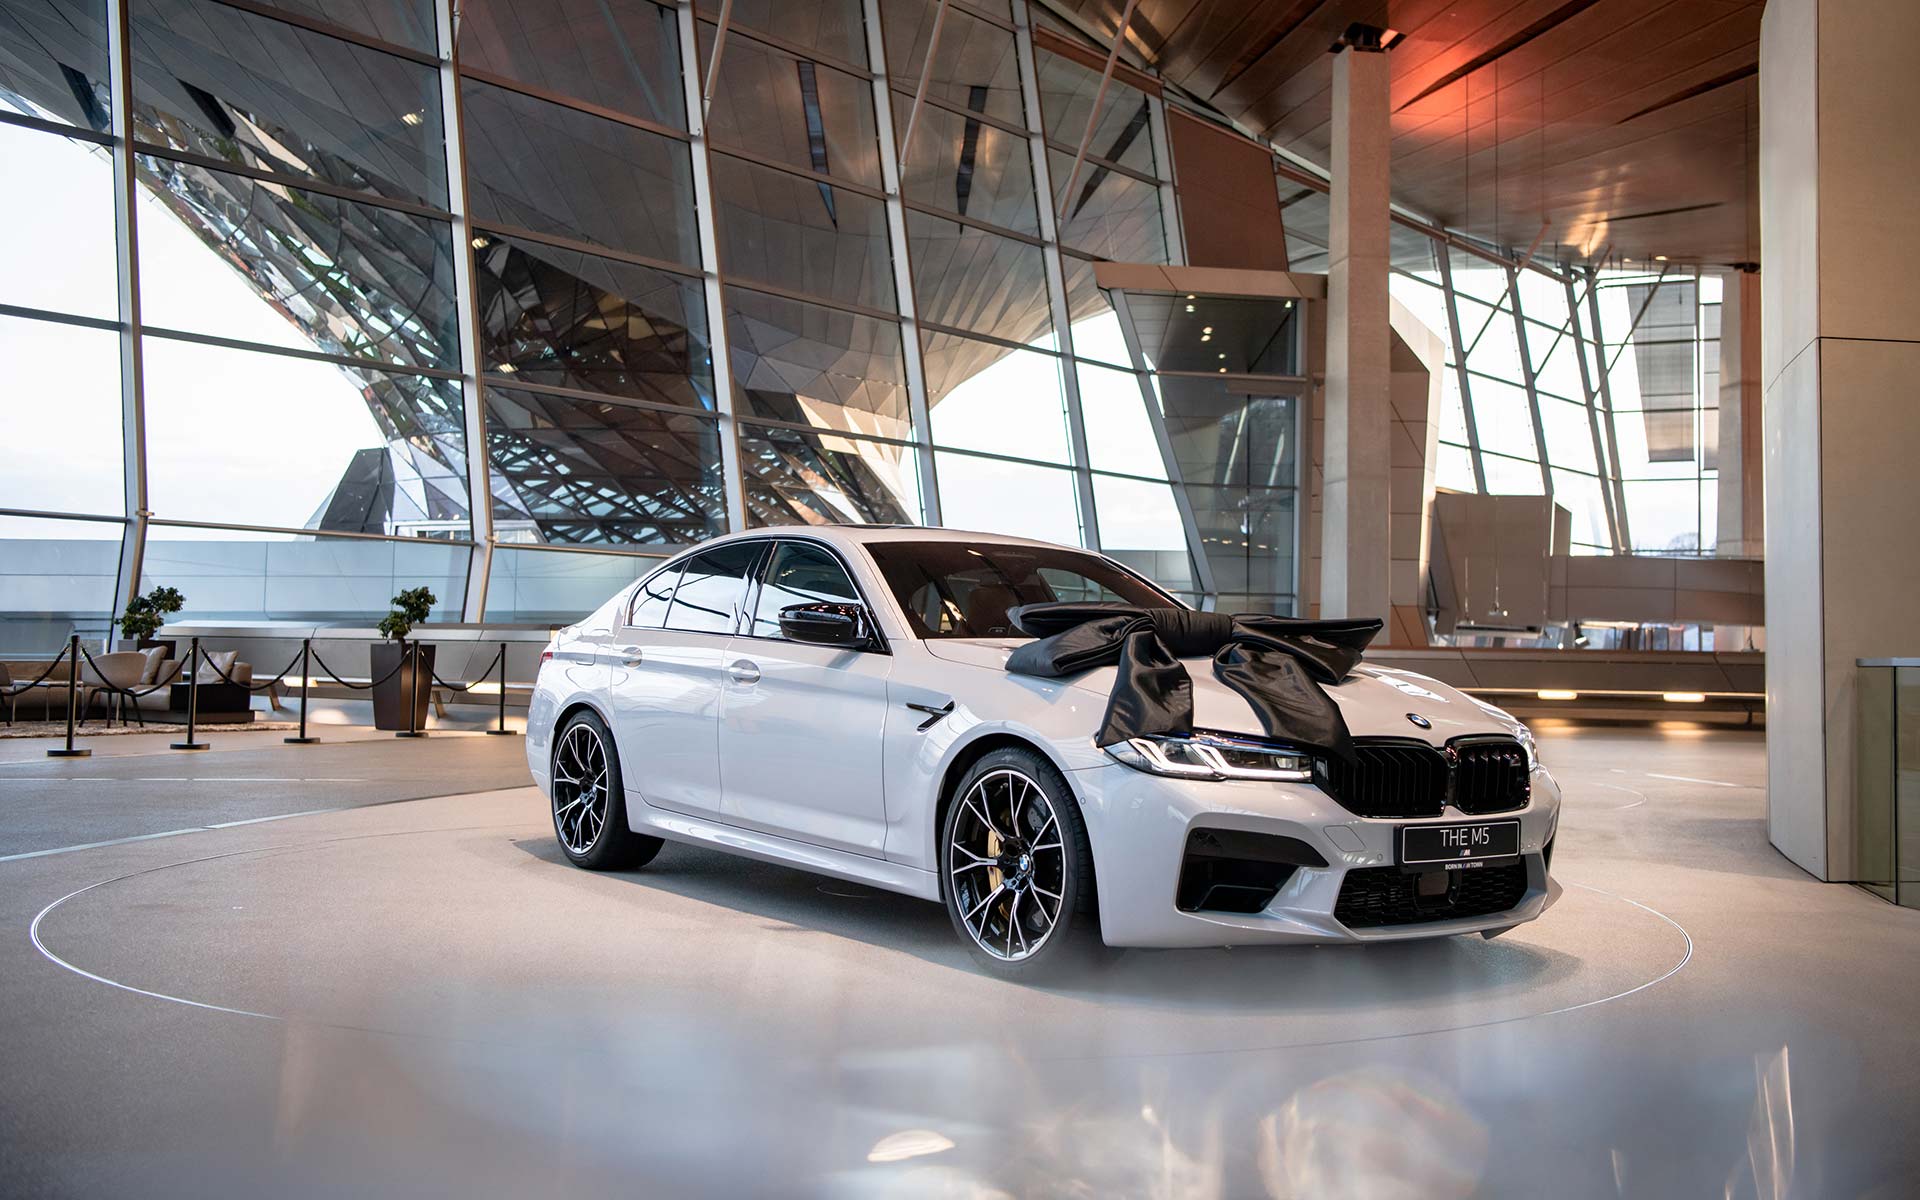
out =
column 863, row 535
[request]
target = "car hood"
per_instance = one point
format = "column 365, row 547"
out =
column 1376, row 701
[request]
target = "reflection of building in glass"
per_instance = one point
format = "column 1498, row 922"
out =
column 861, row 286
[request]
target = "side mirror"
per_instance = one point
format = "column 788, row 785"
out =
column 825, row 624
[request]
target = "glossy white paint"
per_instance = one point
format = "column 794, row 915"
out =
column 811, row 756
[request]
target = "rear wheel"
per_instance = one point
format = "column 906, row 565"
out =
column 1016, row 867
column 589, row 800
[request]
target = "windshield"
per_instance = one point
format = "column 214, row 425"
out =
column 961, row 590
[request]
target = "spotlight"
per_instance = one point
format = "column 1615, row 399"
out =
column 1206, row 337
column 1206, row 329
column 1659, row 258
column 1189, row 308
column 1223, row 370
column 506, row 368
column 1191, row 296
column 480, row 243
column 1222, row 354
column 412, row 118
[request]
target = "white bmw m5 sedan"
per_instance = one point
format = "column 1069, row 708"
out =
column 1039, row 739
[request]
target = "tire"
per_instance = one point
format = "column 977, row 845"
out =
column 587, row 798
column 1003, row 872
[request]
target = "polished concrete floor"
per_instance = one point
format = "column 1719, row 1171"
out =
column 410, row 992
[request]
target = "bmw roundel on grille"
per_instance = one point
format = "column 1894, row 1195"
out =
column 1419, row 720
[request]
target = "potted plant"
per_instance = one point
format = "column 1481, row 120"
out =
column 394, row 668
column 146, row 614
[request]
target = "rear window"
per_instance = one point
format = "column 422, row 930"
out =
column 957, row 590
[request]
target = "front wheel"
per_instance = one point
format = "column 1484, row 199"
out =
column 1017, row 869
column 589, row 800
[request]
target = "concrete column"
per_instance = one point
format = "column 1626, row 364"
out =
column 1840, row 327
column 1355, row 547
column 1741, row 522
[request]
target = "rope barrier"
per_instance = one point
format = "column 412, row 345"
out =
column 187, row 673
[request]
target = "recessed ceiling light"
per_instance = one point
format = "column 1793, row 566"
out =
column 1684, row 697
column 1223, row 370
column 1191, row 296
column 1206, row 337
column 506, row 368
column 412, row 118
column 1206, row 329
column 480, row 243
column 1189, row 308
column 1659, row 258
column 1556, row 694
column 1222, row 354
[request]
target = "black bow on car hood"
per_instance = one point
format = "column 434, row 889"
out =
column 1276, row 664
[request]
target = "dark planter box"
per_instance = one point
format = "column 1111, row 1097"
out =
column 391, row 694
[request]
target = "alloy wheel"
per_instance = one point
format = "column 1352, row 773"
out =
column 579, row 788
column 1007, row 865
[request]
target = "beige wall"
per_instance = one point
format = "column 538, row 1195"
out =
column 1840, row 320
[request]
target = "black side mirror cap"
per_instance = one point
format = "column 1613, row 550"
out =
column 826, row 624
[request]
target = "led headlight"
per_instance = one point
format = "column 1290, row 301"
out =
column 1525, row 738
column 1212, row 756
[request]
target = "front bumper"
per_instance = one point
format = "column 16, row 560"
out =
column 1138, row 825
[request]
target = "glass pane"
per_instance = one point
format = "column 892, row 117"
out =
column 799, row 574
column 1119, row 428
column 1247, row 534
column 985, row 396
column 1569, row 436
column 56, row 231
column 796, row 478
column 954, row 589
column 793, row 110
column 1112, row 216
column 1509, row 476
column 568, row 319
column 1664, row 514
column 1067, row 90
column 1021, row 499
column 56, row 578
column 1455, row 469
column 404, row 22
column 647, row 609
column 618, row 54
column 815, row 365
column 229, row 575
column 1222, row 436
column 1096, row 327
column 963, row 165
column 264, row 439
column 1580, row 496
column 556, row 170
column 554, row 586
column 1140, row 526
column 232, row 256
column 712, row 587
column 1304, row 216
column 601, row 473
column 795, row 233
column 228, row 84
column 973, row 68
column 60, row 418
column 833, row 27
column 53, row 61
column 1504, row 418
column 976, row 280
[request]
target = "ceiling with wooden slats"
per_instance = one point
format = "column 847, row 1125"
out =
column 1627, row 128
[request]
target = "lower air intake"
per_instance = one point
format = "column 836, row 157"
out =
column 1376, row 897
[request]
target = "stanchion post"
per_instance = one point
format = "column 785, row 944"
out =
column 502, row 730
column 306, row 680
column 73, row 694
column 410, row 656
column 193, row 700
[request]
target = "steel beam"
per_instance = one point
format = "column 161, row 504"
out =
column 1527, row 378
column 1099, row 100
column 902, row 261
column 1624, row 530
column 926, row 73
column 1602, row 464
column 133, row 404
column 1445, row 256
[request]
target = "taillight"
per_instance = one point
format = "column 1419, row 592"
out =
column 546, row 656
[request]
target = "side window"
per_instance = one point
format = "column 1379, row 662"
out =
column 650, row 599
column 799, row 574
column 711, row 588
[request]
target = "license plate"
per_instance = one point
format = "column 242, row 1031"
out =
column 1458, row 847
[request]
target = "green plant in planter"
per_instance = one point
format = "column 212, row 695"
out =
column 409, row 609
column 146, row 614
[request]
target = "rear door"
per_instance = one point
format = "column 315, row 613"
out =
column 801, row 725
column 668, row 671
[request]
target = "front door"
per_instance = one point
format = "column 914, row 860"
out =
column 801, row 725
column 668, row 670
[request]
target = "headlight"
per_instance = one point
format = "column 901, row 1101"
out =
column 1525, row 738
column 1212, row 756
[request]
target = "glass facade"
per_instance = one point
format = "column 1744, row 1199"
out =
column 517, row 317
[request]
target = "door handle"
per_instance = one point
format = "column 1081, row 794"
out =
column 629, row 656
column 742, row 671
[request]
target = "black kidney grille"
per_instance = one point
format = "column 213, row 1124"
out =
column 1398, row 777
column 1391, row 779
column 1372, row 897
column 1490, row 776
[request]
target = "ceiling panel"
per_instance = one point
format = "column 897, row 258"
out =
column 1622, row 126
